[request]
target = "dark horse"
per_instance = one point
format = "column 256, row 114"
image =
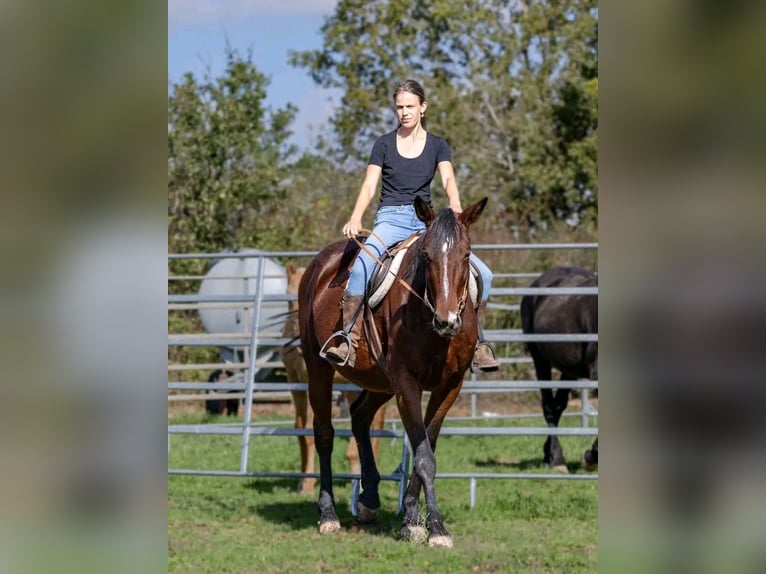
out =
column 562, row 314
column 425, row 331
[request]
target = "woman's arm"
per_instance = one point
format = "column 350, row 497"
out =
column 449, row 182
column 366, row 193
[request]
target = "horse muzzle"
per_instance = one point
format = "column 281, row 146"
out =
column 449, row 327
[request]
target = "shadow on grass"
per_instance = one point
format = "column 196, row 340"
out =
column 529, row 464
column 303, row 515
column 272, row 485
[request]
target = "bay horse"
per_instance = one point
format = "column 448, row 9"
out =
column 292, row 357
column 421, row 337
column 562, row 314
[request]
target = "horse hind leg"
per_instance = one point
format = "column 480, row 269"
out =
column 590, row 457
column 303, row 420
column 552, row 453
column 553, row 406
column 378, row 422
column 363, row 411
column 320, row 398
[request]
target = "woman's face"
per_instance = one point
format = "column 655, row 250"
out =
column 409, row 109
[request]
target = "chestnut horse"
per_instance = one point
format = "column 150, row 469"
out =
column 562, row 314
column 292, row 357
column 422, row 339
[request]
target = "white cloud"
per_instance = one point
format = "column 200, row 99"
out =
column 198, row 11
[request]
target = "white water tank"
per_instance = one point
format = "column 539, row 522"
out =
column 239, row 276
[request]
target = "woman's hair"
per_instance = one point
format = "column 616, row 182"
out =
column 412, row 87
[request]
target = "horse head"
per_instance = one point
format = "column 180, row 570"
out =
column 444, row 250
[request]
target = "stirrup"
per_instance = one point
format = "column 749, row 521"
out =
column 491, row 349
column 323, row 351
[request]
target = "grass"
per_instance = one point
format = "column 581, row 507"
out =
column 262, row 525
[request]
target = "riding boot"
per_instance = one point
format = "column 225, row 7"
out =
column 484, row 358
column 484, row 354
column 348, row 304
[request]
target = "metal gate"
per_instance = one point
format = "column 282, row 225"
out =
column 246, row 385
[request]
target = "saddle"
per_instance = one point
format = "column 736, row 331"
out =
column 385, row 273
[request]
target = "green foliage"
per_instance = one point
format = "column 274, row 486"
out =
column 512, row 86
column 227, row 155
column 320, row 198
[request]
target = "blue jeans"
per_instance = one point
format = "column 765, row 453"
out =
column 392, row 224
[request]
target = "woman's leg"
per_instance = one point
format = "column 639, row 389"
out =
column 486, row 276
column 392, row 224
column 484, row 355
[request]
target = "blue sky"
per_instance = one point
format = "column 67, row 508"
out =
column 198, row 31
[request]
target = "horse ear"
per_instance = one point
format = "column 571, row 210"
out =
column 471, row 214
column 423, row 210
column 290, row 267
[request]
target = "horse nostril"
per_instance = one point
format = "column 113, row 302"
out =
column 448, row 327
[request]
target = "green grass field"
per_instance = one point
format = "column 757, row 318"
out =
column 263, row 526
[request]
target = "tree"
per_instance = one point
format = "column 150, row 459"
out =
column 512, row 86
column 227, row 158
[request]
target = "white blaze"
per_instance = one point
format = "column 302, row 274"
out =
column 445, row 255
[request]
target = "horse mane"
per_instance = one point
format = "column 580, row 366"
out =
column 444, row 228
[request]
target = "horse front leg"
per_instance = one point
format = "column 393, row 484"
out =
column 362, row 413
column 424, row 472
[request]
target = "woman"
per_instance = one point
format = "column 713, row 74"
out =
column 407, row 159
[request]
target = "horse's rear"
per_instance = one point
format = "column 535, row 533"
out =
column 569, row 314
column 562, row 314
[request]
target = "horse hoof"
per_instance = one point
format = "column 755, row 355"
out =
column 329, row 526
column 561, row 468
column 415, row 534
column 366, row 515
column 440, row 541
column 588, row 466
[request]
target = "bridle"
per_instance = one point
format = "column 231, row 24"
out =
column 460, row 303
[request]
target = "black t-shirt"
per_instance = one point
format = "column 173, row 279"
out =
column 404, row 178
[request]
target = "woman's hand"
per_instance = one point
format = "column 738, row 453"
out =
column 352, row 228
